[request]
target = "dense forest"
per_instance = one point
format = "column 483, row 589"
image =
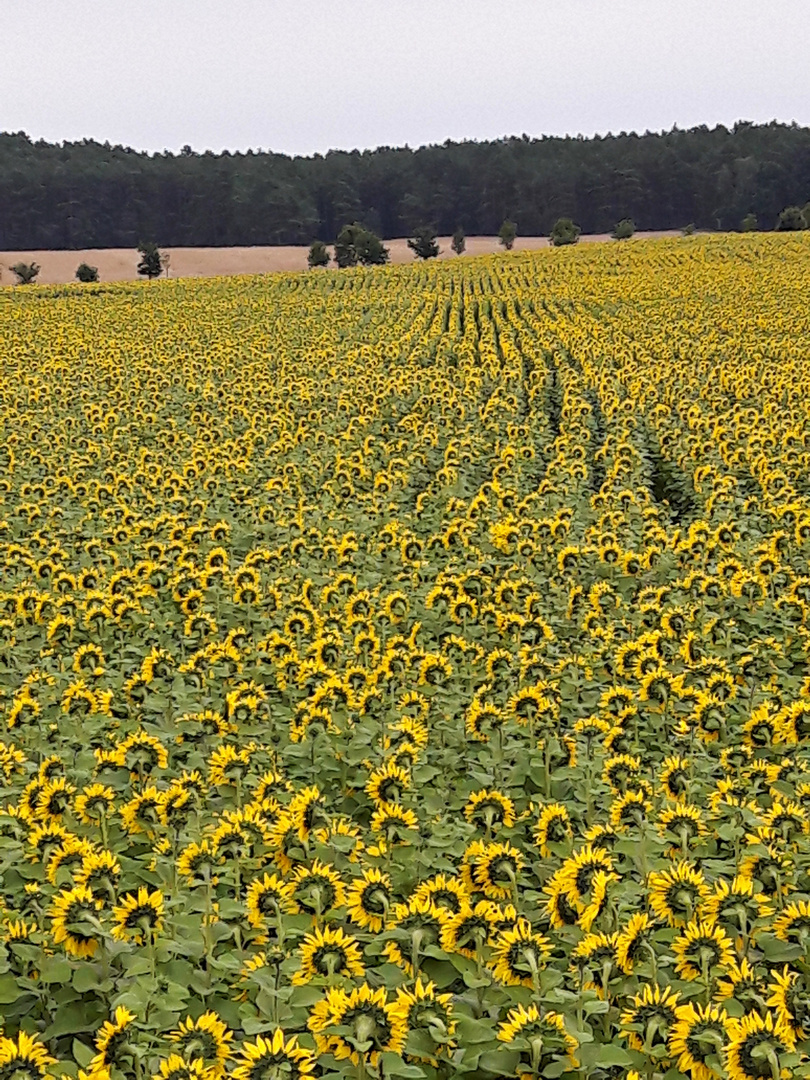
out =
column 89, row 194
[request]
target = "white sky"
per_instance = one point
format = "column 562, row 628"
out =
column 303, row 76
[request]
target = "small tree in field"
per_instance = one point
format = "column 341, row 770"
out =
column 688, row 230
column 423, row 243
column 624, row 229
column 318, row 255
column 564, row 232
column 507, row 234
column 151, row 262
column 86, row 273
column 459, row 241
column 791, row 220
column 356, row 244
column 749, row 223
column 25, row 273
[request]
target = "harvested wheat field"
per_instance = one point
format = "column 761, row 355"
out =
column 118, row 264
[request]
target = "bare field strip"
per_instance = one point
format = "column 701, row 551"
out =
column 118, row 264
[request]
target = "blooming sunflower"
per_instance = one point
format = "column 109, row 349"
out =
column 755, row 1043
column 138, row 916
column 519, row 953
column 698, row 1033
column 273, row 1055
column 207, row 1037
column 372, row 1020
column 329, row 953
column 74, row 908
column 700, row 948
column 368, row 899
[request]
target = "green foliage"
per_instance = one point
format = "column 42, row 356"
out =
column 151, row 263
column 459, row 241
column 357, row 245
column 25, row 273
column 624, row 229
column 86, row 273
column 507, row 234
column 689, row 230
column 791, row 219
column 564, row 232
column 318, row 255
column 423, row 243
column 192, row 199
column 749, row 223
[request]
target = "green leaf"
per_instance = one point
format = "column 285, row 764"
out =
column 83, row 1053
column 9, row 990
column 393, row 1065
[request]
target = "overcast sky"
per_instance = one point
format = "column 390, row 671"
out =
column 304, row 76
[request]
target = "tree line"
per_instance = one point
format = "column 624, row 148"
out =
column 91, row 194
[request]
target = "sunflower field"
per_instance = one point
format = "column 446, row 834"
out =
column 406, row 672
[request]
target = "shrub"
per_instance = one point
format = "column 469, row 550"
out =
column 356, row 244
column 423, row 243
column 749, row 223
column 564, row 232
column 25, row 272
column 318, row 255
column 624, row 229
column 507, row 234
column 86, row 273
column 151, row 262
column 791, row 219
column 688, row 230
column 459, row 241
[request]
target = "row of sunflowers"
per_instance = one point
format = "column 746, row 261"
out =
column 404, row 673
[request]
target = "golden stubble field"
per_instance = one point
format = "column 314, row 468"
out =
column 118, row 264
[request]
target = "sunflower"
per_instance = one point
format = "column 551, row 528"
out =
column 651, row 1017
column 698, row 1033
column 701, row 947
column 387, row 783
column 789, row 996
column 267, row 897
column 738, row 905
column 94, row 803
column 138, row 916
column 100, row 873
column 111, row 1042
column 755, row 1043
column 630, row 809
column 418, row 924
column 24, row 1056
column 677, row 895
column 208, row 1038
column 71, row 909
column 449, row 894
column 316, row 889
column 393, row 823
column 367, row 1014
column 368, row 899
column 491, row 868
column 490, row 810
column 552, row 827
column 175, row 1067
column 633, row 941
column 329, row 953
column 422, row 1009
column 470, row 929
column 541, row 1037
column 793, row 922
column 740, row 981
column 518, row 954
column 275, row 1054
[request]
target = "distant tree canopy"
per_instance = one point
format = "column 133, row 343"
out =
column 89, row 194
